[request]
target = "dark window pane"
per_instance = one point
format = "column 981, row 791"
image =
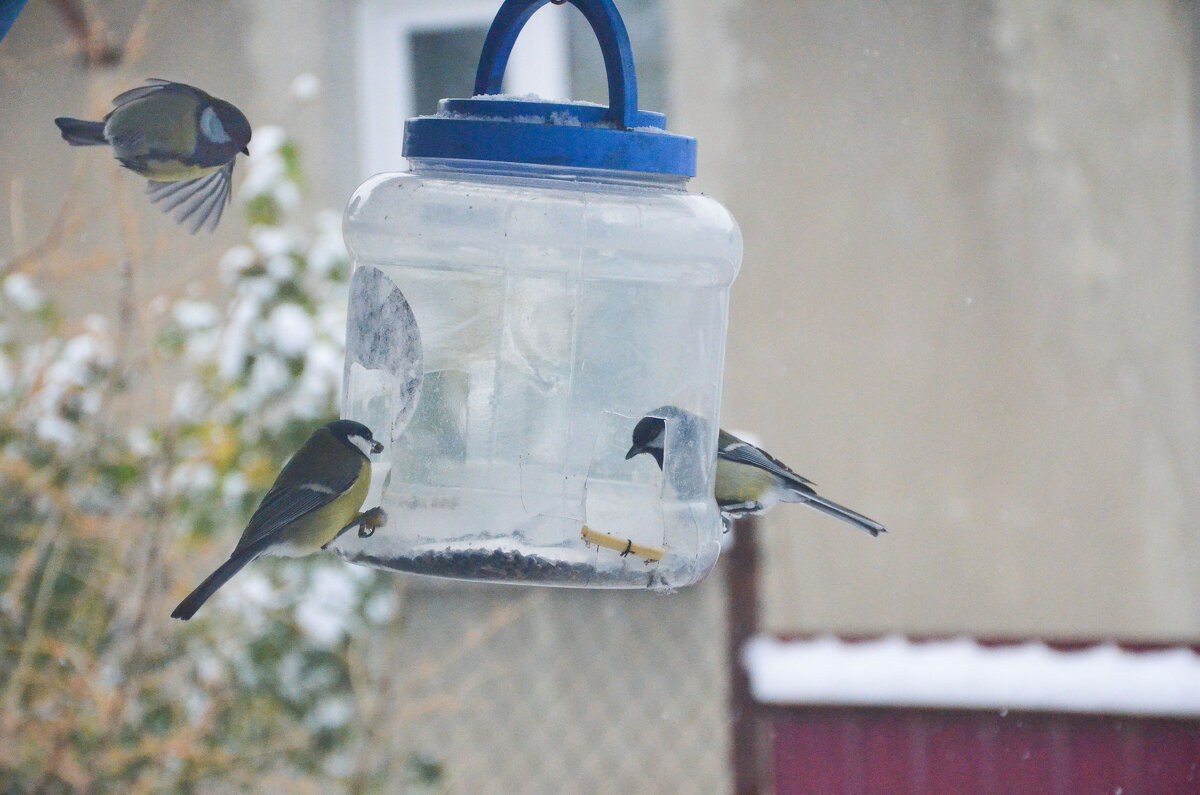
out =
column 443, row 64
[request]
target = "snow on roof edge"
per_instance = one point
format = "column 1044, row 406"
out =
column 962, row 674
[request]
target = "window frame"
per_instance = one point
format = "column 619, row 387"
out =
column 540, row 64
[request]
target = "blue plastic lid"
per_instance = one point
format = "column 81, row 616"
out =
column 506, row 129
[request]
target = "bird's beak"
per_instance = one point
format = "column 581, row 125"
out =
column 634, row 450
column 245, row 150
column 376, row 447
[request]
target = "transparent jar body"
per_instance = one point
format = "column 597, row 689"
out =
column 556, row 307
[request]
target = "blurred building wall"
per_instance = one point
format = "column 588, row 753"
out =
column 968, row 303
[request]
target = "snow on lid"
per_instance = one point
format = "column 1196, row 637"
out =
column 963, row 674
column 533, row 98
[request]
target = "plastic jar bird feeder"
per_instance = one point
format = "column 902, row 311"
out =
column 563, row 284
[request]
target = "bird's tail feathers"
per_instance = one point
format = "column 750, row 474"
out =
column 78, row 132
column 192, row 602
column 837, row 511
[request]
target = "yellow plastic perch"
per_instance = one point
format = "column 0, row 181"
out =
column 623, row 545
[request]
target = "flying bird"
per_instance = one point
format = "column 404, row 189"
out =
column 181, row 139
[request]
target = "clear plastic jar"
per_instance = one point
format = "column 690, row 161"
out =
column 556, row 305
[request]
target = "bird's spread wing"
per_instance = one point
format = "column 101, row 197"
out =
column 285, row 504
column 734, row 449
column 202, row 199
column 155, row 85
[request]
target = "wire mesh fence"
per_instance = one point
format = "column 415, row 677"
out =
column 538, row 690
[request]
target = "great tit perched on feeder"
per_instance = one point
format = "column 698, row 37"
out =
column 314, row 499
column 180, row 138
column 748, row 479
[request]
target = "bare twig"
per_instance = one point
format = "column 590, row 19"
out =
column 89, row 34
column 135, row 45
column 64, row 220
column 35, row 631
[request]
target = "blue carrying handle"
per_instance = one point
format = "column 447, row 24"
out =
column 610, row 33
